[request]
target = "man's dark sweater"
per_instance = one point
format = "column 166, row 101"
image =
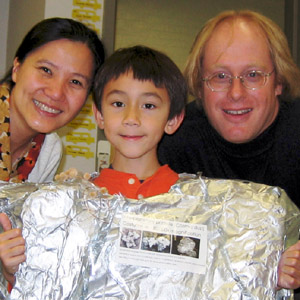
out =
column 273, row 158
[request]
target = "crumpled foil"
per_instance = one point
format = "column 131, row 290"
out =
column 72, row 234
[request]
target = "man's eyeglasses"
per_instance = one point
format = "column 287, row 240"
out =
column 253, row 80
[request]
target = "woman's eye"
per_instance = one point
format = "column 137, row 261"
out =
column 46, row 70
column 76, row 82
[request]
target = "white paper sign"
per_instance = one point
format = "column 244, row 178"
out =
column 162, row 244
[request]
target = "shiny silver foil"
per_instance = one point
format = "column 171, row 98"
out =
column 72, row 234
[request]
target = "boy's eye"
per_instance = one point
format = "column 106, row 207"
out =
column 118, row 104
column 149, row 106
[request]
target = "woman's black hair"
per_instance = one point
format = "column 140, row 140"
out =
column 54, row 29
column 145, row 64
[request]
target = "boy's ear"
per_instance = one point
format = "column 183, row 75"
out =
column 173, row 124
column 98, row 117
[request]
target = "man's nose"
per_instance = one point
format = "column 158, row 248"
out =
column 236, row 89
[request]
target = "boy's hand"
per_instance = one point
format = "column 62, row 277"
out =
column 12, row 249
column 289, row 268
column 73, row 173
column 70, row 174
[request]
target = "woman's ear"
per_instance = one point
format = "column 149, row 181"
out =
column 173, row 124
column 15, row 69
column 98, row 116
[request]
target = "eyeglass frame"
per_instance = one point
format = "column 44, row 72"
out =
column 240, row 77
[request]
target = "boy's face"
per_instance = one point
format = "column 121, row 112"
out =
column 134, row 116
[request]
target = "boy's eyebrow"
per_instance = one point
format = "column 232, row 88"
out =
column 152, row 94
column 115, row 91
column 147, row 94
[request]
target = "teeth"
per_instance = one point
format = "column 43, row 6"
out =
column 238, row 112
column 46, row 108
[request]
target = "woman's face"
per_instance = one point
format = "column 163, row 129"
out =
column 51, row 86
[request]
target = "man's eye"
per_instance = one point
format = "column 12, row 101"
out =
column 252, row 74
column 221, row 76
column 118, row 104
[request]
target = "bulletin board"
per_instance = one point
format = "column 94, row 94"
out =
column 80, row 136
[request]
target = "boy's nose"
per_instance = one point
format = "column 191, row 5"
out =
column 131, row 117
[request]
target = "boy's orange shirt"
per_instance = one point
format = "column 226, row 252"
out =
column 130, row 186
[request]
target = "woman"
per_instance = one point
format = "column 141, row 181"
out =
column 49, row 82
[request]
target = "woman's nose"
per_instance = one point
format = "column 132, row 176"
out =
column 56, row 90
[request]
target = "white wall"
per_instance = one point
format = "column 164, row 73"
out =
column 22, row 16
column 171, row 25
column 4, row 12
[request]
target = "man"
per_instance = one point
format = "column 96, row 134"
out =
column 244, row 123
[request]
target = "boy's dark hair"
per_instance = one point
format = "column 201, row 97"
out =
column 145, row 64
column 54, row 29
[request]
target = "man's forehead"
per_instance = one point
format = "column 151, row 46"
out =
column 234, row 35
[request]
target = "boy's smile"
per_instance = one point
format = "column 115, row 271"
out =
column 134, row 116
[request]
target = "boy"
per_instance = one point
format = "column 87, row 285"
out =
column 139, row 94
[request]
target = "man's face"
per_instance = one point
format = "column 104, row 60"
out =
column 239, row 114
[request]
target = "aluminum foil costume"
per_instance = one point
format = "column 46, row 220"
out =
column 74, row 242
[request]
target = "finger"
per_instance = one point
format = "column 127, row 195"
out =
column 87, row 176
column 5, row 222
column 10, row 235
column 288, row 282
column 10, row 249
column 292, row 270
column 13, row 264
column 14, row 242
column 289, row 273
column 72, row 172
column 12, row 256
column 291, row 259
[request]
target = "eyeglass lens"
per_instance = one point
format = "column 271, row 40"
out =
column 252, row 80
